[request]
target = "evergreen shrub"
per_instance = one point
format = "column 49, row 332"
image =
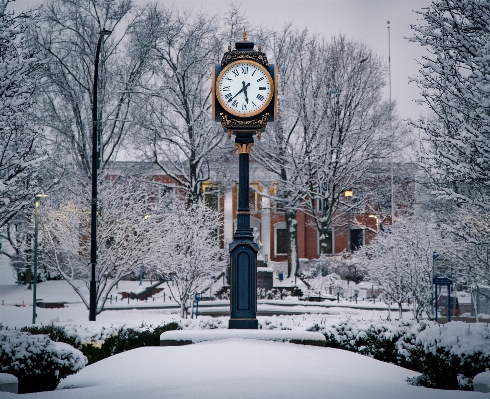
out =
column 38, row 362
column 447, row 356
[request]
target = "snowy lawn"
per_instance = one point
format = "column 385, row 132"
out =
column 246, row 369
column 211, row 369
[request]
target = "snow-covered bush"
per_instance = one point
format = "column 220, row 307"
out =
column 106, row 342
column 38, row 362
column 448, row 356
column 376, row 339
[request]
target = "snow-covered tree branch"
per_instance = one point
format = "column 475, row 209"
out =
column 20, row 153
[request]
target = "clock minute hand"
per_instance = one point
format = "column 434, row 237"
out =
column 242, row 89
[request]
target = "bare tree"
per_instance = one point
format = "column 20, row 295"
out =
column 67, row 38
column 455, row 81
column 127, row 235
column 20, row 152
column 178, row 133
column 189, row 253
column 277, row 152
column 344, row 126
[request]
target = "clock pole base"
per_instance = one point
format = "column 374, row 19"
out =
column 245, row 324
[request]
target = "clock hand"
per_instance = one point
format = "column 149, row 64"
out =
column 245, row 91
column 243, row 88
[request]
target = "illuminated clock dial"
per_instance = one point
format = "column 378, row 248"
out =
column 244, row 88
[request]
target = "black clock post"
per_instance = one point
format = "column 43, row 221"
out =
column 243, row 125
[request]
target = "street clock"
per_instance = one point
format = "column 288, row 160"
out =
column 244, row 89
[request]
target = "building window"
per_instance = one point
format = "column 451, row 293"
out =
column 329, row 242
column 281, row 239
column 278, row 205
column 211, row 196
column 253, row 196
column 356, row 239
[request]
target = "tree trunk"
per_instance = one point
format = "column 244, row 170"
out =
column 474, row 294
column 292, row 234
column 182, row 310
column 400, row 311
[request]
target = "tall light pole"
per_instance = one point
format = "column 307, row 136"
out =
column 95, row 165
column 348, row 194
column 392, row 133
column 36, row 221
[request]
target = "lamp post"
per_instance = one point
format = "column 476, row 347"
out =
column 36, row 221
column 95, row 162
column 348, row 194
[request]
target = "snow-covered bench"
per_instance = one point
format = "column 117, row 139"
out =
column 481, row 382
column 9, row 383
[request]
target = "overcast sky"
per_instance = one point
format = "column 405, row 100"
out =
column 363, row 20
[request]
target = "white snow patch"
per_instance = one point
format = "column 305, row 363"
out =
column 6, row 378
column 263, row 335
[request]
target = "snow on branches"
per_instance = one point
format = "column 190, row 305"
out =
column 20, row 155
column 126, row 235
column 189, row 252
column 455, row 83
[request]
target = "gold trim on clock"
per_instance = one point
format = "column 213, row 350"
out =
column 213, row 92
column 241, row 114
column 276, row 94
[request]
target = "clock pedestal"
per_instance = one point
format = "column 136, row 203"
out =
column 243, row 249
column 244, row 99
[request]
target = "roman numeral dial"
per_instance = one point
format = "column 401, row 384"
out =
column 244, row 88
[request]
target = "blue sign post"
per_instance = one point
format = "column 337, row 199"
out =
column 444, row 281
column 196, row 303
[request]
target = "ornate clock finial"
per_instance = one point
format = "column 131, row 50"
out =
column 259, row 47
column 229, row 47
column 244, row 36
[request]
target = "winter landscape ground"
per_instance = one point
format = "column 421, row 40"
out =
column 237, row 368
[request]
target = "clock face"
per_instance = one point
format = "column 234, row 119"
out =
column 244, row 88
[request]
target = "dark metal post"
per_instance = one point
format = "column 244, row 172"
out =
column 95, row 162
column 36, row 221
column 348, row 194
column 449, row 303
column 436, row 302
column 243, row 249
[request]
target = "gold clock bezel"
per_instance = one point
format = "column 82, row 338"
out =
column 241, row 114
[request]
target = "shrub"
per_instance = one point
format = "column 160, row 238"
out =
column 448, row 356
column 374, row 339
column 38, row 362
column 55, row 333
column 122, row 340
column 126, row 339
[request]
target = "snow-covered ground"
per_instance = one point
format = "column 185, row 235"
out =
column 14, row 315
column 235, row 368
column 230, row 368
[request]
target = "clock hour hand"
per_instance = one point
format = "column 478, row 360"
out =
column 245, row 91
column 242, row 89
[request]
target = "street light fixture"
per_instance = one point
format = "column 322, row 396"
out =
column 348, row 194
column 36, row 221
column 95, row 164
